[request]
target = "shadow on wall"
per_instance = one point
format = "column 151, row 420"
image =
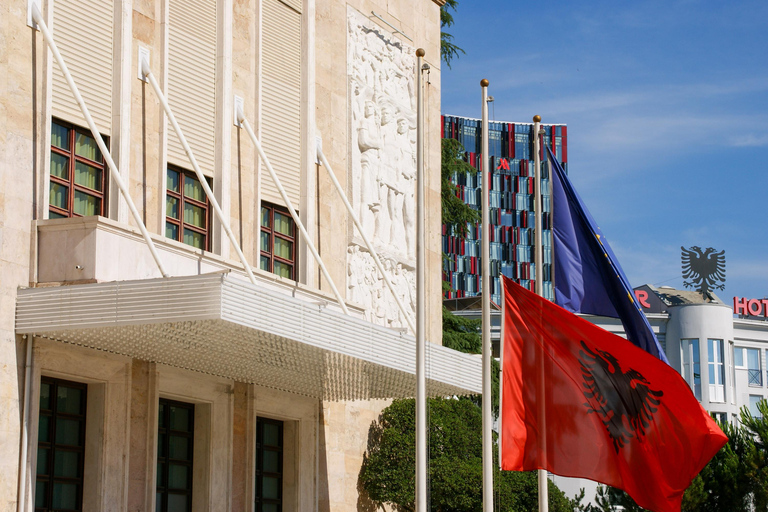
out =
column 364, row 502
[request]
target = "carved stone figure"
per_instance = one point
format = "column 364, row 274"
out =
column 381, row 78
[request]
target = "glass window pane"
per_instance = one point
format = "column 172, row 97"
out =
column 194, row 239
column 59, row 166
column 180, row 418
column 41, row 489
column 67, row 464
column 265, row 217
column 193, row 189
column 67, row 432
column 178, row 448
column 42, row 461
column 753, row 358
column 86, row 204
column 738, row 356
column 178, row 477
column 172, row 181
column 85, row 146
column 88, row 176
column 271, row 461
column 270, row 488
column 283, row 248
column 177, row 503
column 59, row 196
column 264, row 263
column 265, row 242
column 283, row 224
column 59, row 136
column 194, row 215
column 283, row 269
column 68, row 400
column 171, row 207
column 160, row 473
column 43, row 429
column 64, row 496
column 161, row 445
column 269, row 507
column 54, row 215
column 271, row 434
column 45, row 396
column 171, row 231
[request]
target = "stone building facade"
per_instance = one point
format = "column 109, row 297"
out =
column 123, row 389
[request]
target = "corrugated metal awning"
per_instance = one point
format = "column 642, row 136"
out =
column 222, row 325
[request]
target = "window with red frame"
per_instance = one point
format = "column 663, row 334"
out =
column 187, row 212
column 78, row 177
column 278, row 241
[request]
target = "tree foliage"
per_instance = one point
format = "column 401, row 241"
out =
column 456, row 213
column 455, row 462
column 735, row 480
column 463, row 334
column 448, row 50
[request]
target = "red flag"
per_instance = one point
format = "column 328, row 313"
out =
column 582, row 402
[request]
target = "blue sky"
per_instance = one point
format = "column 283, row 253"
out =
column 667, row 111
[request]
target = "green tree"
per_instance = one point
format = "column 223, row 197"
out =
column 463, row 334
column 448, row 50
column 455, row 462
column 455, row 212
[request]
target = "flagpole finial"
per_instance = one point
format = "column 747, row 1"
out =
column 536, row 119
column 420, row 52
column 484, row 82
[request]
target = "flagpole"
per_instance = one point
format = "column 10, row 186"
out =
column 421, row 381
column 537, row 262
column 486, row 331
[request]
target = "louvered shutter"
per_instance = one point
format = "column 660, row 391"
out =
column 82, row 30
column 281, row 97
column 192, row 80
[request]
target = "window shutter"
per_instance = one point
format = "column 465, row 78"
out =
column 281, row 98
column 82, row 30
column 192, row 80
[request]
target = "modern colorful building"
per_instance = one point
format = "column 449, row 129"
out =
column 511, row 148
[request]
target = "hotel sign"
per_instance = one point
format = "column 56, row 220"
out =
column 750, row 307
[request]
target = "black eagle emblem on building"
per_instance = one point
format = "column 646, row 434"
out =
column 704, row 269
column 624, row 401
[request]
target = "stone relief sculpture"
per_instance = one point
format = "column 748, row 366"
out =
column 382, row 103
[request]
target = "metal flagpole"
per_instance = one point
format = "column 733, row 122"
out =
column 421, row 338
column 485, row 256
column 537, row 262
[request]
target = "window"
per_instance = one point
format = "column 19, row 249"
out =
column 749, row 359
column 692, row 365
column 721, row 417
column 186, row 210
column 753, row 401
column 278, row 241
column 738, row 358
column 77, row 181
column 175, row 438
column 60, row 445
column 269, row 465
column 754, row 373
column 716, row 370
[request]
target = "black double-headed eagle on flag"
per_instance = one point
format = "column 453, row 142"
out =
column 704, row 269
column 624, row 401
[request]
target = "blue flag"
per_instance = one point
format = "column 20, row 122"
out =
column 588, row 278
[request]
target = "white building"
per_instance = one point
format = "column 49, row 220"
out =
column 207, row 389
